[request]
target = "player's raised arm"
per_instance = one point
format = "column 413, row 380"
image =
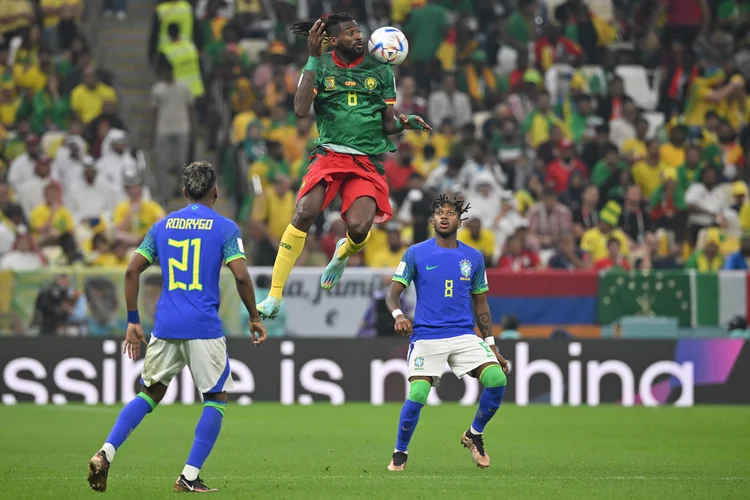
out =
column 305, row 94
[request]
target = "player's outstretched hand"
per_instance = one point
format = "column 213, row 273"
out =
column 133, row 339
column 503, row 362
column 403, row 325
column 315, row 39
column 257, row 332
column 417, row 124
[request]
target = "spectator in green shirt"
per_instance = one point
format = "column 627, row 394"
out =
column 582, row 121
column 50, row 109
column 426, row 28
column 607, row 166
column 520, row 28
column 690, row 171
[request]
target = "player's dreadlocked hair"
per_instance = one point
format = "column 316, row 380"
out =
column 457, row 204
column 331, row 24
column 199, row 177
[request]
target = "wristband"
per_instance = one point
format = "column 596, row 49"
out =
column 414, row 123
column 396, row 313
column 133, row 317
column 489, row 340
column 312, row 64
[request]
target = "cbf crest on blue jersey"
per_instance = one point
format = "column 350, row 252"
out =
column 465, row 266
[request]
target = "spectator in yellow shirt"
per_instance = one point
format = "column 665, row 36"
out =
column 594, row 241
column 444, row 139
column 270, row 165
column 272, row 212
column 108, row 254
column 673, row 152
column 647, row 172
column 388, row 256
column 9, row 103
column 538, row 123
column 87, row 99
column 479, row 238
column 290, row 133
column 709, row 259
column 16, row 15
column 741, row 204
column 635, row 148
column 710, row 131
column 703, row 98
column 135, row 216
column 52, row 224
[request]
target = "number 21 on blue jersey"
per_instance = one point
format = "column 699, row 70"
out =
column 185, row 264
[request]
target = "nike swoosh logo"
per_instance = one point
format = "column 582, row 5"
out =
column 430, row 268
column 405, row 429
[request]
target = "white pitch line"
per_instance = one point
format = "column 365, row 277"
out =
column 376, row 474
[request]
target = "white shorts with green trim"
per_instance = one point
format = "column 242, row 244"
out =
column 427, row 358
column 207, row 360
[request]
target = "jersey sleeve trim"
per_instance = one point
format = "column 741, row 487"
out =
column 148, row 257
column 390, row 101
column 235, row 257
column 401, row 280
column 480, row 290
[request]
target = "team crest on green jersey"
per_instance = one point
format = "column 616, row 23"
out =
column 330, row 83
column 370, row 83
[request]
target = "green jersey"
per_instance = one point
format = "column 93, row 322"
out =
column 349, row 103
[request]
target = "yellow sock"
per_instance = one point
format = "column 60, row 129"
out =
column 350, row 248
column 290, row 249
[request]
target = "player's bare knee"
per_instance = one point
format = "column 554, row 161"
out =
column 303, row 220
column 358, row 228
column 309, row 207
column 156, row 391
column 305, row 215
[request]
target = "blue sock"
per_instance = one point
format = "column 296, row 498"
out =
column 489, row 402
column 127, row 421
column 206, row 434
column 407, row 423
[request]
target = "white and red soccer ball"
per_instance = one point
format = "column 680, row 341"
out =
column 388, row 45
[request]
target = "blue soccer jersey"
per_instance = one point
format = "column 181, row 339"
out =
column 192, row 245
column 445, row 279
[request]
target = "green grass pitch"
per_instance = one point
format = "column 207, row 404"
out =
column 269, row 451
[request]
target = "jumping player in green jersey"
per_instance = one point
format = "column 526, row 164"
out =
column 353, row 97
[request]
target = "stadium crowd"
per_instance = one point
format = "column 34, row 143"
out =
column 585, row 135
column 68, row 180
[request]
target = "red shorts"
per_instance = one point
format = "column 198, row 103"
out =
column 353, row 176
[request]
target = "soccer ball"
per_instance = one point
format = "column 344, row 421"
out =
column 388, row 45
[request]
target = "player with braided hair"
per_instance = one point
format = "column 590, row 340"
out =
column 353, row 97
column 451, row 283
